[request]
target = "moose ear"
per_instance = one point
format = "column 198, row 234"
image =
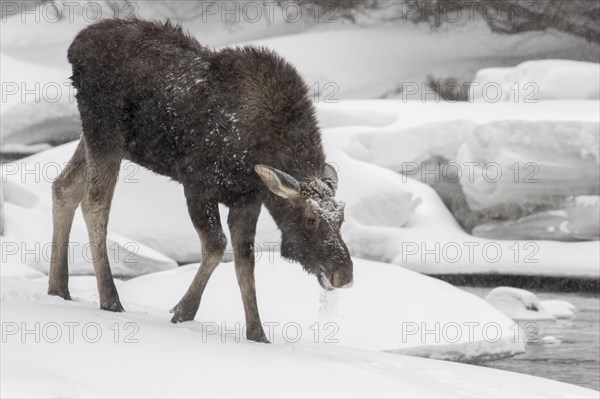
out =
column 330, row 176
column 278, row 182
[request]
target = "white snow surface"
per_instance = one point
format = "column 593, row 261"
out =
column 152, row 357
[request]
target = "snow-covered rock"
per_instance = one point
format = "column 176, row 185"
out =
column 578, row 219
column 505, row 163
column 35, row 126
column 559, row 309
column 406, row 149
column 542, row 80
column 384, row 208
column 530, row 164
column 518, row 169
column 518, row 304
column 373, row 196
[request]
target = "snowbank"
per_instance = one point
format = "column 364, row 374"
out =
column 543, row 80
column 33, row 123
column 500, row 165
column 388, row 308
column 432, row 241
column 282, row 283
column 530, row 163
column 143, row 354
column 27, row 234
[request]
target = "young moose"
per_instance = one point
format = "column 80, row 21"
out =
column 234, row 126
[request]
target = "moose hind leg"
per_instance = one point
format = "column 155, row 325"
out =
column 101, row 178
column 206, row 220
column 242, row 225
column 67, row 192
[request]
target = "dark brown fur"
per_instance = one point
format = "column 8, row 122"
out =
column 211, row 120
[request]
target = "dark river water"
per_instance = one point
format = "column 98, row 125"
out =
column 576, row 358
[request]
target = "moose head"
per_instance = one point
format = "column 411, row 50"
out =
column 310, row 219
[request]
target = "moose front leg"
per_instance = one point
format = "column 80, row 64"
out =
column 242, row 226
column 206, row 220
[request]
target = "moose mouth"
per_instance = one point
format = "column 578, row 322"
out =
column 324, row 281
column 328, row 280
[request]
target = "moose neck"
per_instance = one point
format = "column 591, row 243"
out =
column 280, row 209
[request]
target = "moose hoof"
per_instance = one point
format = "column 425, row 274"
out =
column 257, row 335
column 63, row 293
column 181, row 317
column 112, row 306
column 182, row 313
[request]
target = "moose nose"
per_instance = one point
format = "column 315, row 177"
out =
column 342, row 278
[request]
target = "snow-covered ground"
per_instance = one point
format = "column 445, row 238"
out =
column 322, row 346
